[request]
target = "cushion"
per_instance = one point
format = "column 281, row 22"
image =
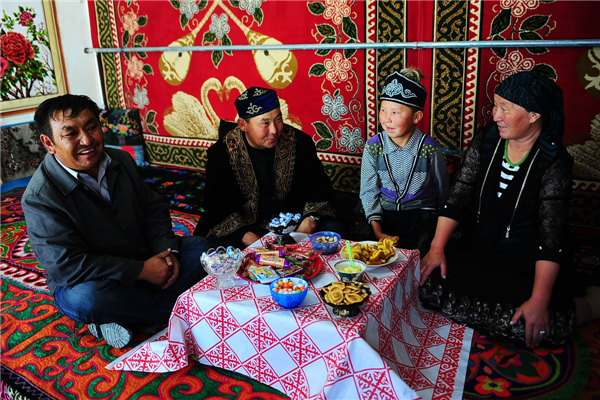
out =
column 123, row 130
column 22, row 151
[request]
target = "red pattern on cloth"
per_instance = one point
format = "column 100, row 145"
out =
column 393, row 345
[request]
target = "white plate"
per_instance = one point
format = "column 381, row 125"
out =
column 392, row 259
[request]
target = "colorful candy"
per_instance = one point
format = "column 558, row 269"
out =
column 287, row 287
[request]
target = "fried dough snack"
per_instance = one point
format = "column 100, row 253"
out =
column 375, row 253
column 340, row 293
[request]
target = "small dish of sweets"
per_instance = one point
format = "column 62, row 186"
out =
column 325, row 242
column 284, row 224
column 345, row 298
column 264, row 266
column 289, row 292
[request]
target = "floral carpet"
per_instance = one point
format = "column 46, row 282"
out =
column 46, row 355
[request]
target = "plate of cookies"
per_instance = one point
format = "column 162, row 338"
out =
column 345, row 298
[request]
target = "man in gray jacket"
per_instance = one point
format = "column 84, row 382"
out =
column 103, row 237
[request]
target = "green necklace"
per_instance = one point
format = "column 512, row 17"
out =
column 507, row 159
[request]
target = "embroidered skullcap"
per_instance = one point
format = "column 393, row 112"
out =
column 399, row 89
column 256, row 101
column 539, row 94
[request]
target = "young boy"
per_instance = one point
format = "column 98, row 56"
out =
column 404, row 177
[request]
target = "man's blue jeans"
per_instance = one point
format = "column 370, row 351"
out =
column 110, row 301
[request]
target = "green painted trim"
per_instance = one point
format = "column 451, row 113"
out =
column 343, row 177
column 447, row 95
column 390, row 28
column 109, row 66
column 176, row 156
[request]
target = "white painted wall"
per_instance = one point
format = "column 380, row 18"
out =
column 81, row 69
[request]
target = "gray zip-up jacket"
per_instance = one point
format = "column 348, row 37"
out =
column 78, row 237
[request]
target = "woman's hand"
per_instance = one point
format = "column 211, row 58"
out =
column 435, row 258
column 535, row 310
column 537, row 321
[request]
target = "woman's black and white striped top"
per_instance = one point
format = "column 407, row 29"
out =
column 507, row 173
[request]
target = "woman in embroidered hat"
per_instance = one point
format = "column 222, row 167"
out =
column 404, row 177
column 509, row 274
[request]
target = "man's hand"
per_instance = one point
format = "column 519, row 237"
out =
column 161, row 270
column 307, row 226
column 249, row 238
column 376, row 225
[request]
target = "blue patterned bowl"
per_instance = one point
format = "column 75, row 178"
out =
column 325, row 248
column 289, row 300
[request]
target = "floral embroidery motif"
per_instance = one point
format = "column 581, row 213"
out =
column 498, row 387
column 394, row 88
column 352, row 139
column 219, row 25
column 253, row 109
column 135, row 68
column 336, row 10
column 337, row 68
column 334, row 107
column 130, row 22
column 250, row 5
column 519, row 7
column 140, row 97
column 188, row 8
column 513, row 63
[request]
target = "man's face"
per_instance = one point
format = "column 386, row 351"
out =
column 78, row 141
column 263, row 131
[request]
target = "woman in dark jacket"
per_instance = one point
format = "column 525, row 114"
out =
column 510, row 277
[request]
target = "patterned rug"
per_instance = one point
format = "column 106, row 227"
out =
column 182, row 188
column 498, row 370
column 45, row 355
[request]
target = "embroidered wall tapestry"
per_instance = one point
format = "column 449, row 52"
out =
column 332, row 94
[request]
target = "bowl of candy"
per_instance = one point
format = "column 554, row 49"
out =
column 289, row 292
column 222, row 263
column 345, row 298
column 326, row 242
column 282, row 225
column 350, row 270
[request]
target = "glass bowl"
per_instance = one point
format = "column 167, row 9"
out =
column 222, row 263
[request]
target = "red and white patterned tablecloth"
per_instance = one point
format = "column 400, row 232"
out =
column 394, row 349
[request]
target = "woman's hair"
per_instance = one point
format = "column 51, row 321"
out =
column 413, row 74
